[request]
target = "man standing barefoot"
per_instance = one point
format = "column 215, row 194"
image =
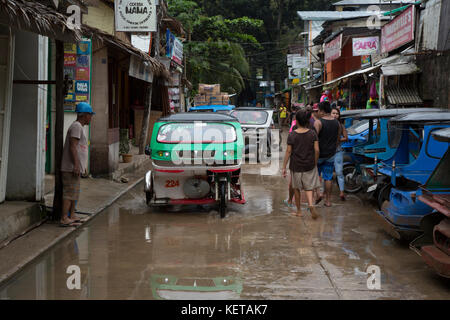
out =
column 74, row 163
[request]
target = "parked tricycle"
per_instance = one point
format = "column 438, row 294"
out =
column 434, row 245
column 197, row 160
column 400, row 212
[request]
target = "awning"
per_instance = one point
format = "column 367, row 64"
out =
column 158, row 69
column 400, row 69
column 348, row 75
column 403, row 96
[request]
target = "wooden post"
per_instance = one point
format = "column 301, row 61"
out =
column 59, row 129
column 146, row 120
column 148, row 105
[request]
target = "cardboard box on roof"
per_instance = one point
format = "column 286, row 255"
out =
column 215, row 99
column 209, row 89
column 200, row 100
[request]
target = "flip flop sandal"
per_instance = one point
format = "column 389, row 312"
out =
column 290, row 205
column 328, row 206
column 69, row 225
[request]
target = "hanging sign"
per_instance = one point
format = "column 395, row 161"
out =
column 333, row 49
column 366, row 46
column 299, row 62
column 135, row 15
column 139, row 70
column 399, row 31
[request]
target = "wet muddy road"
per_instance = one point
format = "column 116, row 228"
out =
column 259, row 251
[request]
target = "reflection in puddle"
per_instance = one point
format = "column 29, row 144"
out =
column 174, row 288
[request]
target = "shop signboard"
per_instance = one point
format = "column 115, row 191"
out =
column 333, row 49
column 77, row 70
column 399, row 31
column 366, row 61
column 174, row 48
column 366, row 46
column 290, row 58
column 139, row 70
column 135, row 15
column 299, row 62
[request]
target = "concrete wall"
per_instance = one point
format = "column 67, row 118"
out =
column 26, row 156
column 434, row 81
column 100, row 16
column 100, row 153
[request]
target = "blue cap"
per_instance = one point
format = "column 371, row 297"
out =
column 84, row 107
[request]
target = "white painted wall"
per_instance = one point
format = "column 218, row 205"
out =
column 6, row 68
column 27, row 140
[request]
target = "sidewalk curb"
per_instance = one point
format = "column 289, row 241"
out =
column 4, row 278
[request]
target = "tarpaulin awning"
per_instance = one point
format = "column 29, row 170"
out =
column 348, row 75
column 403, row 96
column 400, row 69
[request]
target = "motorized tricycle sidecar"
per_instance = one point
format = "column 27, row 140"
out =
column 434, row 245
column 400, row 212
column 196, row 159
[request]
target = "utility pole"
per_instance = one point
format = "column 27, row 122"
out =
column 148, row 105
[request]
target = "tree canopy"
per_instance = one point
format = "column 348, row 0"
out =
column 230, row 39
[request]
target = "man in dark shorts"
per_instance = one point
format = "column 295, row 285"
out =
column 302, row 154
column 74, row 163
column 329, row 132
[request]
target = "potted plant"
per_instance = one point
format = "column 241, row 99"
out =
column 124, row 147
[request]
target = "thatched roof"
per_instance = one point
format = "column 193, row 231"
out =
column 159, row 70
column 38, row 18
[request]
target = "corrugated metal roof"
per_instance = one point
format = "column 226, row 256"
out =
column 403, row 96
column 333, row 15
column 376, row 2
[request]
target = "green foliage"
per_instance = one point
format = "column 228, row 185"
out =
column 213, row 50
column 231, row 39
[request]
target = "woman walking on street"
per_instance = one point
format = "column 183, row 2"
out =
column 302, row 154
column 339, row 158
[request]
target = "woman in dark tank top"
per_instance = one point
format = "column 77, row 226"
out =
column 328, row 137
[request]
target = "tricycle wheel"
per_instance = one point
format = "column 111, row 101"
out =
column 384, row 194
column 222, row 199
column 352, row 179
column 148, row 197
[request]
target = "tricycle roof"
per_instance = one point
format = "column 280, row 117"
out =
column 389, row 113
column 191, row 117
column 213, row 107
column 352, row 113
column 442, row 135
column 423, row 117
column 252, row 109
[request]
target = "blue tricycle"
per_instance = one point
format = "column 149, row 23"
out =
column 418, row 154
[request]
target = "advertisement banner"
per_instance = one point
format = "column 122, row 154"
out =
column 366, row 46
column 174, row 48
column 139, row 70
column 177, row 54
column 299, row 62
column 333, row 49
column 135, row 15
column 77, row 61
column 399, row 31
